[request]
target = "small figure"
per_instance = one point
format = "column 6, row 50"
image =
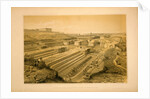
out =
column 41, row 63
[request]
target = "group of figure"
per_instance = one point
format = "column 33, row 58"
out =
column 39, row 63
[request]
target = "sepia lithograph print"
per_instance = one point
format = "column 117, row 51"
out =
column 75, row 49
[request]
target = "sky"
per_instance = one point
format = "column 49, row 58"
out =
column 78, row 23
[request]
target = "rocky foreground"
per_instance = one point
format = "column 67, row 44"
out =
column 33, row 74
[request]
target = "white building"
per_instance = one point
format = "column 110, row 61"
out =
column 90, row 43
column 66, row 43
column 77, row 43
column 93, row 42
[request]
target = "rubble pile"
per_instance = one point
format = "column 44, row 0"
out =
column 35, row 75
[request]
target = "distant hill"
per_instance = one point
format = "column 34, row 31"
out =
column 29, row 38
column 32, row 36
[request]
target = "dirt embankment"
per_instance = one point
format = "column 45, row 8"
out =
column 114, row 72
